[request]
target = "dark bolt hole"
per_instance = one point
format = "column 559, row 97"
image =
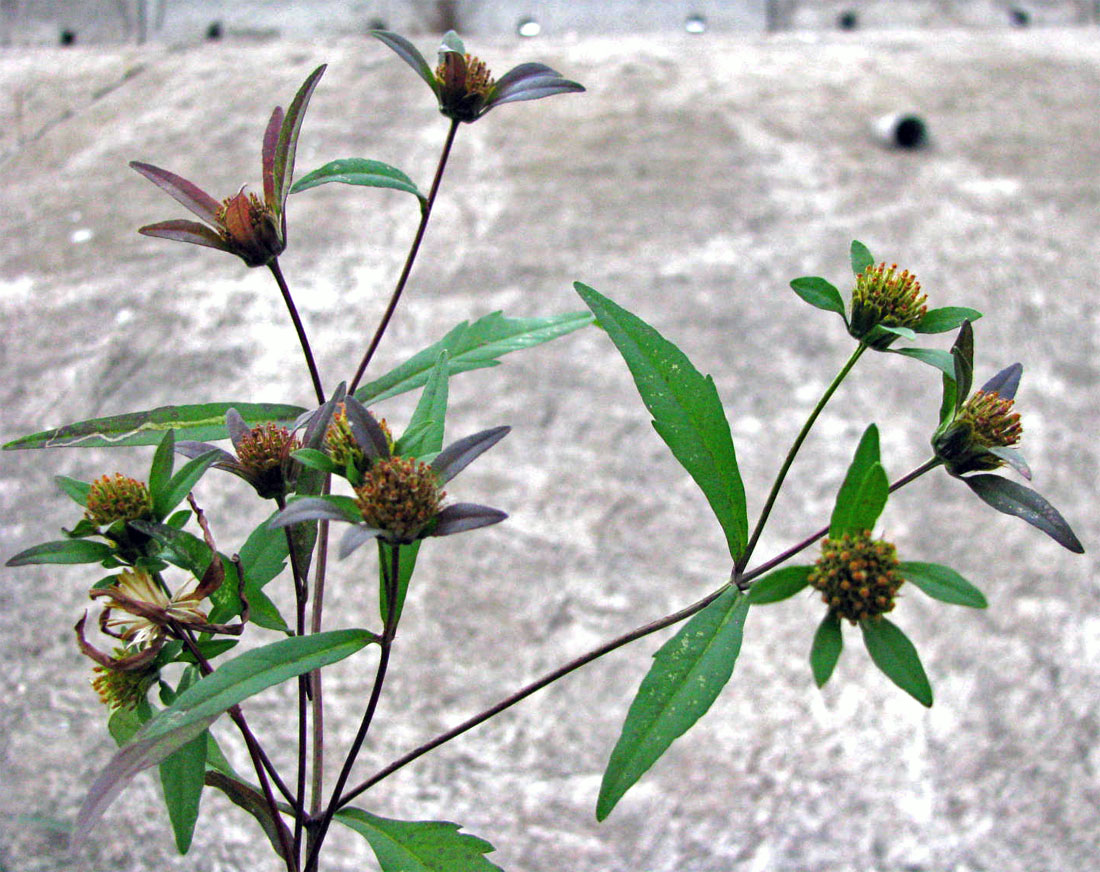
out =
column 214, row 31
column 910, row 132
column 848, row 20
column 68, row 37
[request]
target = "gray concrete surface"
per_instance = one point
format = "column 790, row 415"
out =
column 692, row 182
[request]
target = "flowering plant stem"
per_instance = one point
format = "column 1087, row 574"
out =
column 425, row 214
column 391, row 578
column 789, row 460
column 314, row 375
column 634, row 635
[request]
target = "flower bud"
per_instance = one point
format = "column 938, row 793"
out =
column 986, row 420
column 464, row 85
column 250, row 228
column 122, row 688
column 883, row 297
column 263, row 453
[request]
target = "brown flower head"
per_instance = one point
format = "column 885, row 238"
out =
column 243, row 224
column 462, row 84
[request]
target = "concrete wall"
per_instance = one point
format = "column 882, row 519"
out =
column 41, row 22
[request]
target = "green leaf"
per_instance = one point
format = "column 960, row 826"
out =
column 359, row 171
column 180, row 485
column 408, row 565
column 161, row 471
column 424, row 434
column 181, row 780
column 472, row 346
column 936, row 357
column 200, row 705
column 203, row 423
column 419, row 846
column 861, row 257
column 183, row 549
column 315, row 459
column 779, row 585
column 687, row 675
column 245, row 796
column 895, row 655
column 818, row 292
column 78, row 490
column 962, row 354
column 1022, row 502
column 943, row 583
column 687, row 412
column 263, row 556
column 826, row 648
column 64, row 551
column 850, row 509
column 946, row 318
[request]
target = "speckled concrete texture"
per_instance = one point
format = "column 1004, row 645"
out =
column 691, row 183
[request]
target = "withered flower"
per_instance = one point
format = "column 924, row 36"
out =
column 398, row 499
column 462, row 84
column 242, row 224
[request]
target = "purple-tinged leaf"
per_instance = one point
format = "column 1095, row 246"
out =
column 250, row 799
column 271, row 142
column 317, row 421
column 367, row 431
column 897, row 657
column 195, row 449
column 315, row 509
column 409, row 54
column 1012, row 458
column 356, row 536
column 186, row 193
column 531, row 81
column 460, row 517
column 236, row 427
column 1006, row 382
column 1015, row 499
column 451, row 42
column 287, row 146
column 458, row 455
column 548, row 90
column 826, row 649
column 184, row 230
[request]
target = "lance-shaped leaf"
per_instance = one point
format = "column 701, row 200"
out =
column 942, row 583
column 530, row 81
column 329, row 508
column 204, row 422
column 687, row 675
column 78, row 490
column 826, row 649
column 182, row 780
column 200, row 705
column 472, row 346
column 409, row 53
column 945, row 318
column 419, row 846
column 820, row 293
column 287, row 144
column 1006, row 382
column 962, row 354
column 1022, row 502
column 179, row 485
column 460, row 454
column 460, row 517
column 359, row 171
column 687, row 412
column 65, row 551
column 863, row 494
column 247, row 797
column 896, row 656
column 779, row 585
column 940, row 359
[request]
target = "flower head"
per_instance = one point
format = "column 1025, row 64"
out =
column 857, row 576
column 883, row 297
column 139, row 610
column 242, row 224
column 398, row 499
column 117, row 498
column 463, row 85
column 341, row 445
column 119, row 687
column 263, row 456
